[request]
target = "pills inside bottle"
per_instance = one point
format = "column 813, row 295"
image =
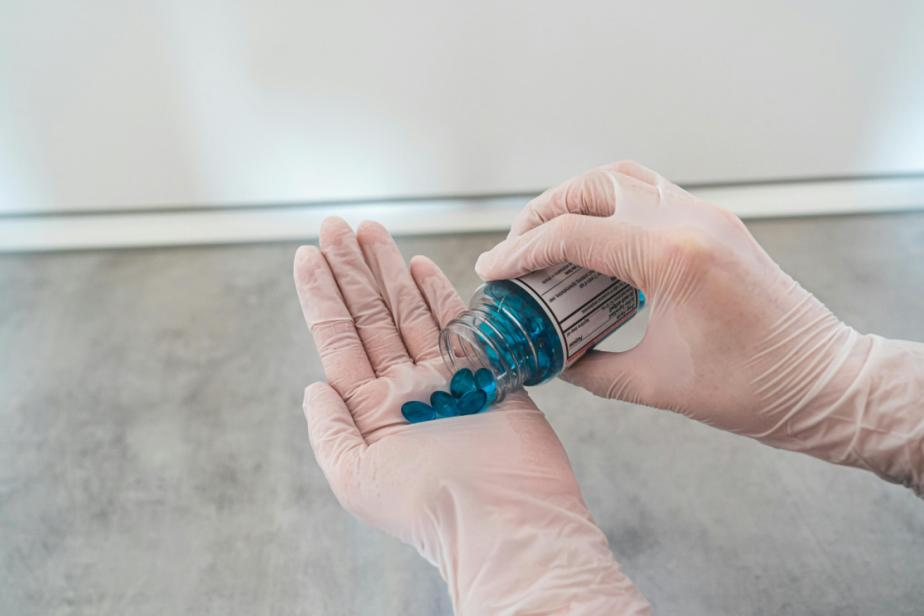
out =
column 527, row 330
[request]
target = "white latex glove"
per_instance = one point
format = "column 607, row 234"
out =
column 490, row 499
column 732, row 340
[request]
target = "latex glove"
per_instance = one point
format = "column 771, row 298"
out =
column 732, row 340
column 490, row 499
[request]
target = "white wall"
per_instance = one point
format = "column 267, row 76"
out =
column 120, row 104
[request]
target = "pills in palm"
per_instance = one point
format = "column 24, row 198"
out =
column 416, row 412
column 444, row 404
column 469, row 393
column 472, row 402
column 462, row 382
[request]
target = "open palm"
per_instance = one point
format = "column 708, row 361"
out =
column 464, row 491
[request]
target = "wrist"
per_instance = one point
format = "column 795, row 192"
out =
column 869, row 413
column 523, row 570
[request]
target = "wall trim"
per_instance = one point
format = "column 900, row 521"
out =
column 220, row 225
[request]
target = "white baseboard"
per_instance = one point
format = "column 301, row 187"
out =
column 301, row 223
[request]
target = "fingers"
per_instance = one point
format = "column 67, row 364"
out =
column 592, row 194
column 611, row 247
column 415, row 323
column 342, row 354
column 632, row 169
column 609, row 375
column 360, row 291
column 440, row 295
column 335, row 440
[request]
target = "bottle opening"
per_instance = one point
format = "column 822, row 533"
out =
column 464, row 343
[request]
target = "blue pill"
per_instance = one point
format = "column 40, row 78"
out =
column 444, row 404
column 641, row 299
column 493, row 358
column 484, row 380
column 472, row 402
column 416, row 412
column 462, row 383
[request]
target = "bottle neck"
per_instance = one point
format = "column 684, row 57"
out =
column 491, row 336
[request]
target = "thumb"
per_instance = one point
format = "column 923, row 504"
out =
column 609, row 246
column 334, row 437
column 609, row 375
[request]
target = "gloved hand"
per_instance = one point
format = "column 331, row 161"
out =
column 732, row 340
column 490, row 499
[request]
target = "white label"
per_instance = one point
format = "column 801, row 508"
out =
column 584, row 305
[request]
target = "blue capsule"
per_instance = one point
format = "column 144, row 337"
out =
column 641, row 299
column 462, row 383
column 416, row 412
column 484, row 380
column 472, row 402
column 493, row 358
column 444, row 404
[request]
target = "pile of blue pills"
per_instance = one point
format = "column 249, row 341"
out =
column 469, row 393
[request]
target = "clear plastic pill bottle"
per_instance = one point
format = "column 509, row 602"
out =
column 528, row 329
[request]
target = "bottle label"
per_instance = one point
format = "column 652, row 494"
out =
column 585, row 306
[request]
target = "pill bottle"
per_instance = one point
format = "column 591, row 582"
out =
column 527, row 330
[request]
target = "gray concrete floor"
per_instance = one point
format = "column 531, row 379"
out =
column 153, row 457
